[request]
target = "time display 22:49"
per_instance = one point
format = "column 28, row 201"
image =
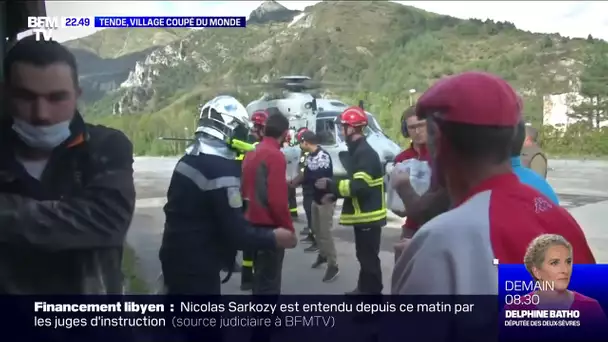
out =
column 76, row 21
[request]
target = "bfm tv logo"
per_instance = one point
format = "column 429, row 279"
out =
column 43, row 27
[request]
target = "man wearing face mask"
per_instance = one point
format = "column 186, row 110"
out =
column 66, row 188
column 364, row 206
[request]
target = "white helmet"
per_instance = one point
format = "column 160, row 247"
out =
column 224, row 118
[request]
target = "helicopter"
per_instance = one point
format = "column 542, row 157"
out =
column 304, row 107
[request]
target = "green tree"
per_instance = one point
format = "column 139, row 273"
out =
column 593, row 108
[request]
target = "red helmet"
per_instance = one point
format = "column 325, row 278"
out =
column 353, row 116
column 259, row 117
column 300, row 132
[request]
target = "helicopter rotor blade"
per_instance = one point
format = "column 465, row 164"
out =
column 175, row 139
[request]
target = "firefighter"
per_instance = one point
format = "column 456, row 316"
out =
column 364, row 205
column 258, row 120
column 204, row 213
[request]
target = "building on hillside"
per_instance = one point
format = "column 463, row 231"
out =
column 556, row 108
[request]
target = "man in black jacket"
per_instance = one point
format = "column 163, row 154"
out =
column 204, row 212
column 363, row 192
column 66, row 188
column 319, row 165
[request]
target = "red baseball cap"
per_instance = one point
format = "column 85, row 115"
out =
column 474, row 98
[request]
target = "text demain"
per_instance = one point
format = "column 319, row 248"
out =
column 529, row 286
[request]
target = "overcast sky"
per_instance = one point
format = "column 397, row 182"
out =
column 570, row 18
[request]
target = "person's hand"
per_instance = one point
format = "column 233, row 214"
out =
column 399, row 178
column 322, row 183
column 285, row 238
column 327, row 199
column 402, row 245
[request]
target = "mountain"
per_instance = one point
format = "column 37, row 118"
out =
column 114, row 43
column 271, row 11
column 383, row 49
column 106, row 57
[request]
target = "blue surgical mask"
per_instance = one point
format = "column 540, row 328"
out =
column 42, row 137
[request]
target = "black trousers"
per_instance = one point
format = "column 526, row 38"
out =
column 293, row 203
column 268, row 271
column 307, row 203
column 195, row 285
column 247, row 266
column 367, row 246
column 186, row 285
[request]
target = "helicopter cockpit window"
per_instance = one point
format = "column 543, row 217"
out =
column 373, row 123
column 326, row 131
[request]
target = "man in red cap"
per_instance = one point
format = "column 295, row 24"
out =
column 471, row 121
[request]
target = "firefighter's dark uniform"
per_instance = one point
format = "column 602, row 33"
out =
column 204, row 224
column 247, row 266
column 293, row 202
column 364, row 208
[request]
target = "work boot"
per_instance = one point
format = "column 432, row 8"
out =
column 331, row 273
column 311, row 249
column 246, row 286
column 305, row 231
column 320, row 261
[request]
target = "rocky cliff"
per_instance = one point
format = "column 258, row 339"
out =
column 271, row 11
column 106, row 58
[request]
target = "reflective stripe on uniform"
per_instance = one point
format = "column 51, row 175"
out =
column 240, row 157
column 344, row 188
column 293, row 210
column 203, row 182
column 359, row 217
column 247, row 263
column 368, row 179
